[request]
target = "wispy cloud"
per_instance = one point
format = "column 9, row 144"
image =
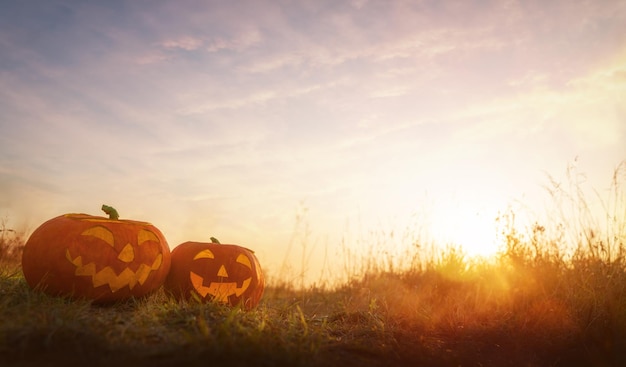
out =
column 232, row 113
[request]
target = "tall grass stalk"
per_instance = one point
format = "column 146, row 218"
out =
column 555, row 295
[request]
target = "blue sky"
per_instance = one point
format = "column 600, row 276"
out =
column 222, row 118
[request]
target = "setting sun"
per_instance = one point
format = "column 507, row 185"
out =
column 215, row 119
column 472, row 229
column 313, row 182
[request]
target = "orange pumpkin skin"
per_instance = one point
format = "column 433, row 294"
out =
column 97, row 258
column 225, row 273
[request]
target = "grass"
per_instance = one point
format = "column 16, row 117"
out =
column 554, row 296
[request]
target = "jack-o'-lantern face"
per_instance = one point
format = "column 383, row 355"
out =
column 219, row 284
column 95, row 257
column 122, row 274
column 228, row 274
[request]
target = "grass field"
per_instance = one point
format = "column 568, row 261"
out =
column 537, row 303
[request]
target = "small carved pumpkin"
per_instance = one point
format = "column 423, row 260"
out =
column 228, row 274
column 97, row 258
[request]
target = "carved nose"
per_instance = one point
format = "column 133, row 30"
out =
column 127, row 254
column 222, row 272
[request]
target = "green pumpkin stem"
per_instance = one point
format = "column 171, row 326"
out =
column 111, row 212
column 215, row 240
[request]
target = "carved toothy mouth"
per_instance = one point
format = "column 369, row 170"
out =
column 107, row 275
column 221, row 291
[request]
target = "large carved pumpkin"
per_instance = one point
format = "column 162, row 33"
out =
column 224, row 273
column 102, row 259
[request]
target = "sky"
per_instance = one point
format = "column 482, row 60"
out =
column 301, row 129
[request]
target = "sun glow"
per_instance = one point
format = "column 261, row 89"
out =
column 471, row 229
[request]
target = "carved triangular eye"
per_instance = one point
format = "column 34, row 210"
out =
column 243, row 259
column 204, row 254
column 145, row 235
column 102, row 233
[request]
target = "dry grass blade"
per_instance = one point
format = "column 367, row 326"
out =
column 554, row 296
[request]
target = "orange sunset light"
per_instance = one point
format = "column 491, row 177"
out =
column 428, row 119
